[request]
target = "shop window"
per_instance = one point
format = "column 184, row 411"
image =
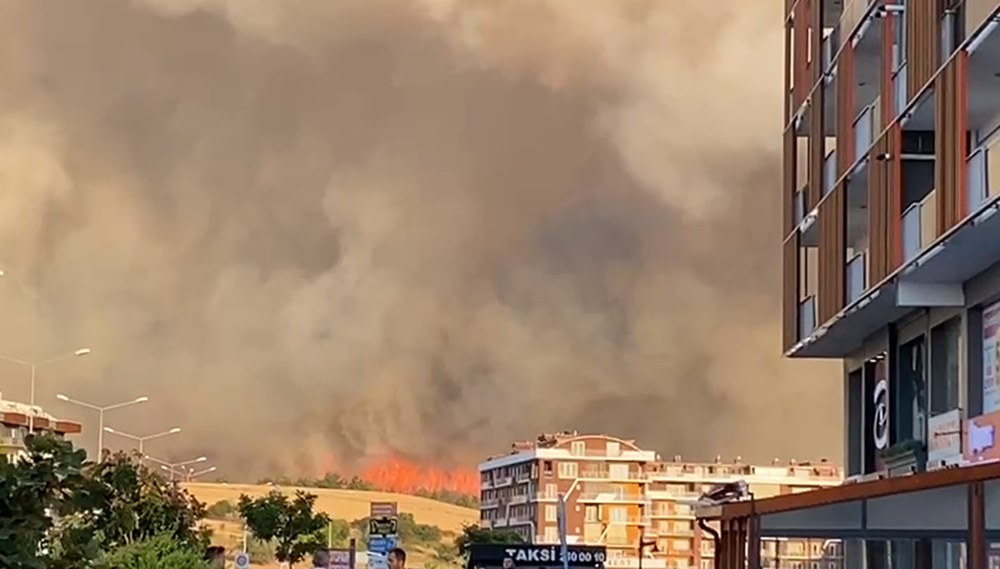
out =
column 945, row 349
column 910, row 418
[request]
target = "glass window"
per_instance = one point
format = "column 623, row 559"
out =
column 567, row 470
column 578, row 448
column 945, row 356
column 551, row 512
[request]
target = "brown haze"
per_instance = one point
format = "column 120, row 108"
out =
column 308, row 228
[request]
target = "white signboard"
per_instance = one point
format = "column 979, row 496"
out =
column 944, row 441
column 991, row 363
column 880, row 422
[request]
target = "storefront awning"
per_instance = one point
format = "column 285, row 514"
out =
column 939, row 504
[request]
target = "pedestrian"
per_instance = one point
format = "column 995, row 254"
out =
column 216, row 557
column 397, row 558
column 321, row 559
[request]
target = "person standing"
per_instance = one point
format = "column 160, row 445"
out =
column 321, row 559
column 397, row 558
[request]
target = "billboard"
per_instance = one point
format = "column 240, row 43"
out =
column 991, row 361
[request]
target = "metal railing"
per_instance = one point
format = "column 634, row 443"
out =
column 829, row 172
column 807, row 317
column 857, row 279
column 863, row 132
column 911, row 232
column 978, row 184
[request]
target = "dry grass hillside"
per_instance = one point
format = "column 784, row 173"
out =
column 349, row 504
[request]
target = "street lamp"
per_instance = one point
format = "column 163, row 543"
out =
column 188, row 474
column 173, row 467
column 142, row 440
column 100, row 416
column 33, row 366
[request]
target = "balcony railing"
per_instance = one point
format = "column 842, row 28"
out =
column 899, row 87
column 978, row 186
column 857, row 278
column 863, row 132
column 829, row 172
column 807, row 317
column 605, row 474
column 799, row 205
column 827, row 50
column 612, row 497
column 911, row 232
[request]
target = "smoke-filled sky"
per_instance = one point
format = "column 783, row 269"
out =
column 308, row 228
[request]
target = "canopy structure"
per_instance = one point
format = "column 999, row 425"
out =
column 957, row 505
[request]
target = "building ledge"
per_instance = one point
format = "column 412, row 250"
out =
column 965, row 251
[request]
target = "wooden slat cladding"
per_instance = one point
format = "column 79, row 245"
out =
column 832, row 253
column 800, row 48
column 817, row 149
column 814, row 15
column 950, row 172
column 923, row 43
column 788, row 179
column 844, row 109
column 887, row 99
column 790, row 292
column 881, row 226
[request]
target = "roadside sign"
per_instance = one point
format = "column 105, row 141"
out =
column 381, row 545
column 242, row 561
column 382, row 526
column 384, row 509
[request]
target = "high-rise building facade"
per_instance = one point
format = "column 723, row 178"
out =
column 891, row 184
column 620, row 496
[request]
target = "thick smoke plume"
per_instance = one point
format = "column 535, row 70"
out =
column 314, row 228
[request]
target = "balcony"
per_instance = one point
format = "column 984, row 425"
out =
column 489, row 503
column 856, row 276
column 919, row 226
column 607, row 474
column 499, row 481
column 518, row 499
column 547, row 496
column 611, row 497
column 807, row 317
column 978, row 187
column 829, row 172
column 863, row 132
column 675, row 531
column 799, row 206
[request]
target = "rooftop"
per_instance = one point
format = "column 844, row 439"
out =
column 16, row 414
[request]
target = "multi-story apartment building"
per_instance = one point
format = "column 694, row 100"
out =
column 15, row 423
column 620, row 496
column 891, row 184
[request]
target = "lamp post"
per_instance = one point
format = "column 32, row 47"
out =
column 100, row 416
column 33, row 367
column 172, row 467
column 142, row 440
column 188, row 474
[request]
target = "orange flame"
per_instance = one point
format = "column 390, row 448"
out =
column 393, row 474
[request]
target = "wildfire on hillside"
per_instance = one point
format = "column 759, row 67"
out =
column 395, row 474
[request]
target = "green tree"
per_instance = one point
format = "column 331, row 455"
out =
column 36, row 491
column 124, row 502
column 290, row 523
column 473, row 534
column 158, row 552
column 221, row 510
